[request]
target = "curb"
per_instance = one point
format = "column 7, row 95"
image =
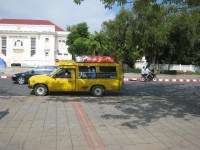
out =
column 5, row 77
column 165, row 80
column 137, row 79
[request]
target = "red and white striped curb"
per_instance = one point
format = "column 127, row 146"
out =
column 165, row 80
column 178, row 80
column 137, row 79
column 5, row 77
column 131, row 79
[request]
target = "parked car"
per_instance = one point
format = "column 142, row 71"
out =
column 22, row 78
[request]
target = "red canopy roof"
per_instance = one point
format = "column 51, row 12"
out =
column 29, row 22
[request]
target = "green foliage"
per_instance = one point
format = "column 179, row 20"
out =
column 182, row 36
column 76, row 40
column 132, row 70
column 99, row 44
column 81, row 42
column 165, row 31
column 172, row 72
column 110, row 3
column 178, row 72
column 120, row 32
column 15, row 64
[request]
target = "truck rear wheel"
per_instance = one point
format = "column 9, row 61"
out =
column 40, row 90
column 98, row 91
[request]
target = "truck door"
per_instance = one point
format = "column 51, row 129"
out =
column 64, row 80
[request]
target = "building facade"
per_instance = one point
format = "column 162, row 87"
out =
column 32, row 42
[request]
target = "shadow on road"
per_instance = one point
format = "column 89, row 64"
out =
column 3, row 113
column 143, row 103
column 146, row 103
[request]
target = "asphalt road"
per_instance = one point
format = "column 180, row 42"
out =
column 187, row 91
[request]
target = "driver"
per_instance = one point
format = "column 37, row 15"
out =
column 143, row 72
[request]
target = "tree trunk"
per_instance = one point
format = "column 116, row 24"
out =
column 96, row 52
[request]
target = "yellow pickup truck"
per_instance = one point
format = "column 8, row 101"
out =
column 79, row 76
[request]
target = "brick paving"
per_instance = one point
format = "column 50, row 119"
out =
column 87, row 123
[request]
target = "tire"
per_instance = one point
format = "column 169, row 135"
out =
column 143, row 79
column 40, row 90
column 98, row 91
column 21, row 80
column 154, row 79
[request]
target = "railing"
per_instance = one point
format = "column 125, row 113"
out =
column 178, row 67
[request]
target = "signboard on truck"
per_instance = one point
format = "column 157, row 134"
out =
column 100, row 59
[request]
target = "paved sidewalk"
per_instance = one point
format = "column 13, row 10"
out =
column 88, row 123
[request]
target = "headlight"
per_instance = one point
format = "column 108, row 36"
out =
column 14, row 75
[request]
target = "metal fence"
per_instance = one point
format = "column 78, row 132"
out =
column 177, row 67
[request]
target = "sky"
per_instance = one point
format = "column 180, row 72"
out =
column 60, row 12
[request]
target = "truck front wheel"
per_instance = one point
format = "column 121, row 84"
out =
column 98, row 91
column 40, row 90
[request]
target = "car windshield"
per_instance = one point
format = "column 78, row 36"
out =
column 53, row 72
column 31, row 71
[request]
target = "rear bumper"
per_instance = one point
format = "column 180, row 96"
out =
column 30, row 86
column 14, row 78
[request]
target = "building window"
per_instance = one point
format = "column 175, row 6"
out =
column 33, row 46
column 46, row 54
column 61, row 43
column 18, row 43
column 46, row 40
column 58, row 52
column 3, row 46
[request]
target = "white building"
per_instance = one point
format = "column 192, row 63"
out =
column 32, row 42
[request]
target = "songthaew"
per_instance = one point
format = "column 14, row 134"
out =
column 95, row 74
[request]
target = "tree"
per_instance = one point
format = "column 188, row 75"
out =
column 182, row 38
column 110, row 3
column 120, row 32
column 151, row 30
column 76, row 40
column 163, row 31
column 81, row 42
column 99, row 44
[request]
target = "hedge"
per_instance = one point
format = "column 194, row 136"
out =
column 15, row 64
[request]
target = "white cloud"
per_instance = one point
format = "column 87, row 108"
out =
column 60, row 12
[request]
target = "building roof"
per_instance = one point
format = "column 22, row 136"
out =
column 29, row 22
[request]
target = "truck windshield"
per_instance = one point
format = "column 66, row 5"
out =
column 53, row 72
